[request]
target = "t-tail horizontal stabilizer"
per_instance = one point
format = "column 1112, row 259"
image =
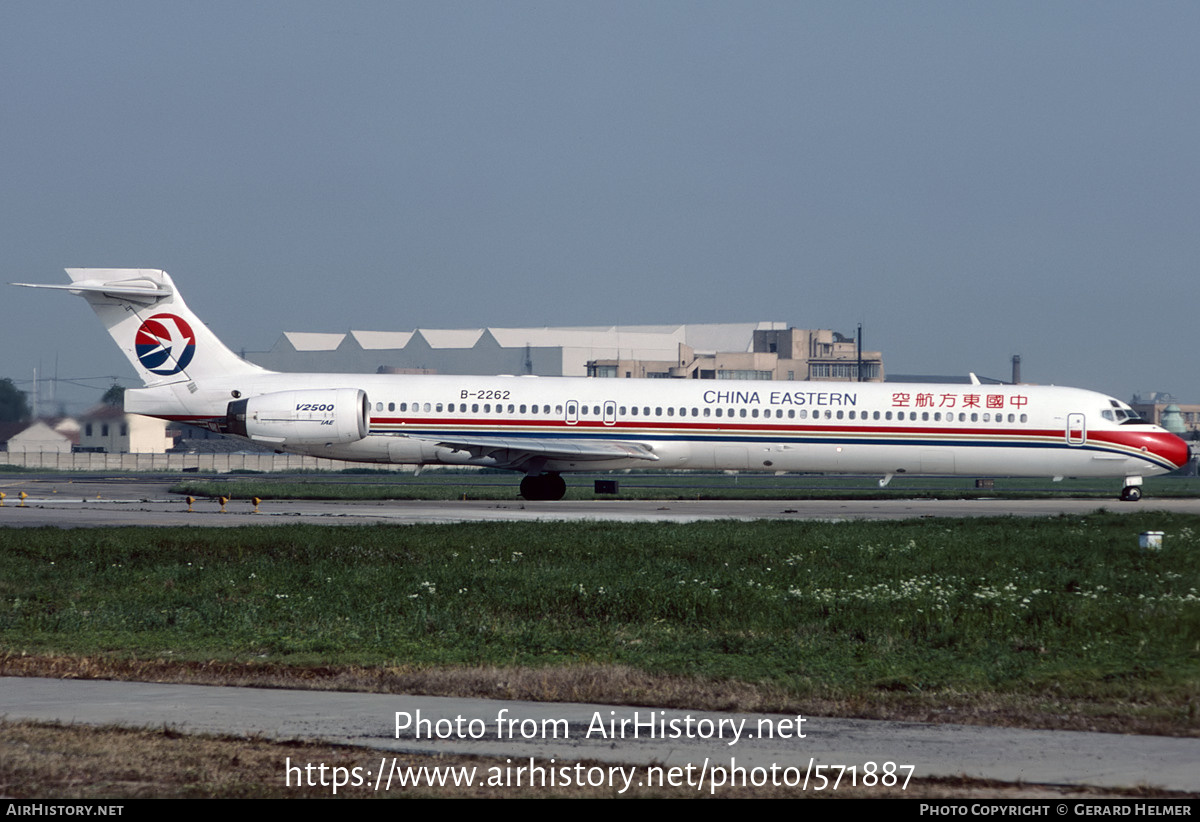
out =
column 161, row 337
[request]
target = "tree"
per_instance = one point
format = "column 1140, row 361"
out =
column 13, row 405
column 114, row 396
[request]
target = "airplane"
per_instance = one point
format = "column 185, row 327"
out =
column 544, row 427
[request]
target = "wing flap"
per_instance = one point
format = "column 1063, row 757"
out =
column 547, row 447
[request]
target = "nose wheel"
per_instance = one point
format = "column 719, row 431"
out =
column 543, row 487
column 1131, row 493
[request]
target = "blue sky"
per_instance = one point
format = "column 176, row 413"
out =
column 968, row 180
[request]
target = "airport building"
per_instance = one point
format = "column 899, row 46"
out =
column 774, row 354
column 107, row 429
column 764, row 350
column 33, row 436
column 1162, row 409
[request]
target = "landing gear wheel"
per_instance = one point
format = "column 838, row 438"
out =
column 543, row 487
column 1131, row 493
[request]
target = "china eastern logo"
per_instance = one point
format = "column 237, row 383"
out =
column 165, row 344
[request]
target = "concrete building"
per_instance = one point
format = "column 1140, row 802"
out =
column 762, row 350
column 774, row 354
column 1162, row 409
column 33, row 437
column 108, row 429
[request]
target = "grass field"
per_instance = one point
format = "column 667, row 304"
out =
column 1023, row 618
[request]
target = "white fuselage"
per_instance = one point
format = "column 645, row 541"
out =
column 875, row 428
column 543, row 426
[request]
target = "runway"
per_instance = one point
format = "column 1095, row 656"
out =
column 569, row 732
column 137, row 501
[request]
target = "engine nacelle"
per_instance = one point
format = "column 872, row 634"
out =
column 330, row 416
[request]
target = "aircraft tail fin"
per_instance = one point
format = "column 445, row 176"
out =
column 143, row 311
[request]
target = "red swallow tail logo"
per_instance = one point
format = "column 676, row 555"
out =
column 165, row 344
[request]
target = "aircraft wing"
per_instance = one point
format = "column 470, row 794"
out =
column 517, row 450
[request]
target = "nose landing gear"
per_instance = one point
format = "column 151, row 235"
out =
column 1132, row 492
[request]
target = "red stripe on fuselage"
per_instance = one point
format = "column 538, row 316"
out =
column 717, row 427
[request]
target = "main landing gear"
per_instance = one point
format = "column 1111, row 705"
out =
column 543, row 486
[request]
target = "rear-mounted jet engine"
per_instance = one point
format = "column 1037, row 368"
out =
column 287, row 418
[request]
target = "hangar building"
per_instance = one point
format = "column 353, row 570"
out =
column 761, row 350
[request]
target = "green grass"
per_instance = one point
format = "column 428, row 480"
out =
column 1067, row 607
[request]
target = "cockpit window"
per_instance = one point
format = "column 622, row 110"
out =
column 1126, row 416
column 1122, row 414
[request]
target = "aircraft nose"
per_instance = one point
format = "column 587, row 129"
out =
column 1171, row 448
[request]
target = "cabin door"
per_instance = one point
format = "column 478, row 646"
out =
column 1076, row 429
